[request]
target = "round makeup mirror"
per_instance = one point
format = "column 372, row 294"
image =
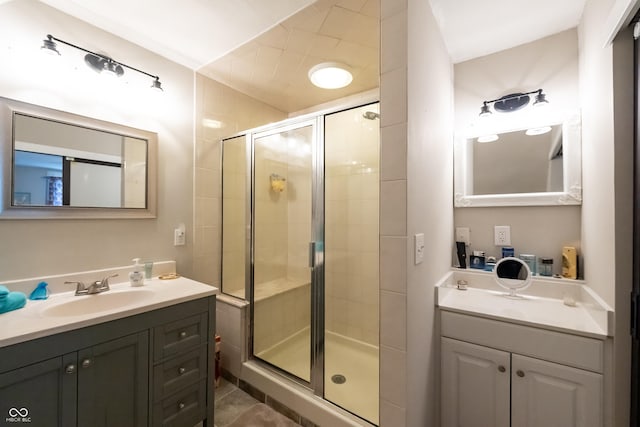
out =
column 512, row 274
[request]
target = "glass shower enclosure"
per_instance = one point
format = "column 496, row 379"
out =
column 300, row 243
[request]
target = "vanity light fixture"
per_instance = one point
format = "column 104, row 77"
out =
column 100, row 63
column 330, row 75
column 484, row 110
column 513, row 102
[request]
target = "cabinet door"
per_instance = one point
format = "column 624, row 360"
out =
column 475, row 385
column 42, row 394
column 113, row 383
column 546, row 394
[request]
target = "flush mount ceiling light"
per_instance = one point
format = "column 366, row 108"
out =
column 513, row 102
column 99, row 63
column 330, row 75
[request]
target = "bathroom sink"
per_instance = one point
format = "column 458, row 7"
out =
column 91, row 304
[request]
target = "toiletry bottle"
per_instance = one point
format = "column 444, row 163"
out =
column 136, row 277
column 546, row 267
column 569, row 262
column 531, row 261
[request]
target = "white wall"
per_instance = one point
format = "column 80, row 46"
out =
column 32, row 248
column 596, row 96
column 606, row 94
column 415, row 197
column 429, row 206
column 550, row 63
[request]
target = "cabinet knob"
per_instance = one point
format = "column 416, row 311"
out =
column 86, row 363
column 501, row 368
column 181, row 405
column 520, row 373
column 181, row 370
column 183, row 334
column 70, row 369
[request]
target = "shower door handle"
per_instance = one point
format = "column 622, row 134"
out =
column 312, row 254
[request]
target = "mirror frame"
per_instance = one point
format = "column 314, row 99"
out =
column 572, row 172
column 7, row 109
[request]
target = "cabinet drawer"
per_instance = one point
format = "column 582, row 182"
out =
column 180, row 335
column 178, row 372
column 184, row 408
column 567, row 349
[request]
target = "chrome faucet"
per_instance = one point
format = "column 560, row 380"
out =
column 96, row 287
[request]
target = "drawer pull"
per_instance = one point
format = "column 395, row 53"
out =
column 182, row 334
column 501, row 368
column 520, row 373
column 70, row 369
column 181, row 406
column 181, row 370
column 86, row 363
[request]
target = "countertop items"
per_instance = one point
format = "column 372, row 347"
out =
column 543, row 304
column 63, row 311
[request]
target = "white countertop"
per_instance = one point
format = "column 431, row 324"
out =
column 541, row 305
column 32, row 322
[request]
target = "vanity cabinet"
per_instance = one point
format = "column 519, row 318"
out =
column 113, row 382
column 154, row 368
column 100, row 386
column 40, row 393
column 180, row 372
column 495, row 374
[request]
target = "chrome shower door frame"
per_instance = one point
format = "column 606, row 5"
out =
column 316, row 247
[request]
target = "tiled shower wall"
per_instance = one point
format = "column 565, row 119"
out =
column 234, row 204
column 220, row 112
column 282, row 219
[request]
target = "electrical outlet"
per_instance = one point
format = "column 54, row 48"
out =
column 502, row 235
column 463, row 235
column 179, row 236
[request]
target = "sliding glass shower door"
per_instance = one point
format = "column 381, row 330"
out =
column 282, row 227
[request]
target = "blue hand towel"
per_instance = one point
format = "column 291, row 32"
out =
column 11, row 300
column 40, row 292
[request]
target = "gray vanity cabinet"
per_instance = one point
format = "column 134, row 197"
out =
column 41, row 394
column 113, row 383
column 154, row 368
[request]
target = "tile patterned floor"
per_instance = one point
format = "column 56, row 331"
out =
column 230, row 403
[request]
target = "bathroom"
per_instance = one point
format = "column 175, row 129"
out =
column 419, row 108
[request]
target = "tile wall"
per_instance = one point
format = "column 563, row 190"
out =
column 220, row 112
column 234, row 209
column 393, row 215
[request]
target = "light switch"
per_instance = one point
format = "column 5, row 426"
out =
column 419, row 248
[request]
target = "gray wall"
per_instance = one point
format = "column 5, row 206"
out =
column 32, row 248
column 551, row 64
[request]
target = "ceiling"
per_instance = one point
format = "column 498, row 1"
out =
column 274, row 66
column 189, row 32
column 473, row 28
column 265, row 48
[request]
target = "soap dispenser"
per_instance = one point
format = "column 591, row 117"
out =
column 136, row 277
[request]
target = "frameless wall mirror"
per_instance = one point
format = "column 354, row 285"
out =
column 61, row 165
column 532, row 166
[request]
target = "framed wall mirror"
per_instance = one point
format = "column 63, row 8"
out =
column 62, row 165
column 533, row 166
